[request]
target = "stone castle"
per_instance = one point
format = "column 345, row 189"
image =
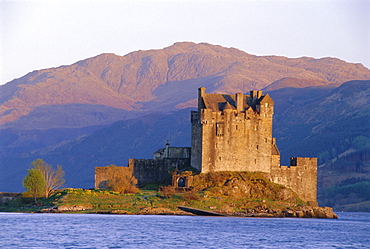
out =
column 230, row 132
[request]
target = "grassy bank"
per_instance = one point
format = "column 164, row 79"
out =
column 225, row 192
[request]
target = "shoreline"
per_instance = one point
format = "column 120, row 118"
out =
column 305, row 212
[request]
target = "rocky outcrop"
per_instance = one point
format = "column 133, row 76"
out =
column 299, row 212
column 7, row 197
column 66, row 209
column 147, row 211
column 161, row 211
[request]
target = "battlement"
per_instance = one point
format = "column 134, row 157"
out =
column 300, row 176
column 172, row 152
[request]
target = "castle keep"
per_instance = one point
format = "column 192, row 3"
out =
column 230, row 132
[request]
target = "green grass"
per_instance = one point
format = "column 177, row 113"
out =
column 212, row 192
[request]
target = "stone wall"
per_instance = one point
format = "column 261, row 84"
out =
column 196, row 141
column 146, row 171
column 103, row 174
column 236, row 138
column 172, row 152
column 300, row 176
column 156, row 171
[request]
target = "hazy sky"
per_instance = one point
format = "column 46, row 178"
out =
column 43, row 34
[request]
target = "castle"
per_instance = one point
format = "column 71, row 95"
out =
column 230, row 132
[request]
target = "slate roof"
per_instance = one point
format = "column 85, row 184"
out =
column 275, row 150
column 220, row 102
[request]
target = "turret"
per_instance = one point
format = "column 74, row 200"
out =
column 201, row 94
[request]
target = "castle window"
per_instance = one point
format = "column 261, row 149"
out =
column 255, row 127
column 220, row 129
column 257, row 147
column 265, row 140
column 181, row 182
column 266, row 104
column 236, row 127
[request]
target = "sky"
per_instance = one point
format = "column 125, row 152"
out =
column 38, row 34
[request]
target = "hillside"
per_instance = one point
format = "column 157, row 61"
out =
column 109, row 108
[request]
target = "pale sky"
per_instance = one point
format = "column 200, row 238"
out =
column 49, row 33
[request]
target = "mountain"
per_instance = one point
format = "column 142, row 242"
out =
column 164, row 79
column 109, row 108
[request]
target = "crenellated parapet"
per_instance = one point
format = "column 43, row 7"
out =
column 300, row 176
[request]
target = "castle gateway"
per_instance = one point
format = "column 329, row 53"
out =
column 231, row 132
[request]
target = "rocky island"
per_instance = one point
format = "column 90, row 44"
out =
column 237, row 194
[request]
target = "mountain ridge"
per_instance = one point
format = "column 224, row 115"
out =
column 131, row 82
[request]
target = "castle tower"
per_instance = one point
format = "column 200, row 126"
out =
column 232, row 132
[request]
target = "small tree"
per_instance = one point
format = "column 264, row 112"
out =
column 34, row 182
column 53, row 178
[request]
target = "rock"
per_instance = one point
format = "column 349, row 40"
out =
column 298, row 212
column 161, row 211
column 262, row 215
column 115, row 212
column 74, row 208
column 324, row 212
column 285, row 194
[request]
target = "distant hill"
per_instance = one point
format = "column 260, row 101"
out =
column 109, row 108
column 114, row 144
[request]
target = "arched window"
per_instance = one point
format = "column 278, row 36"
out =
column 181, row 182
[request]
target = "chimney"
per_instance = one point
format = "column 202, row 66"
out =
column 201, row 93
column 167, row 150
column 253, row 95
column 239, row 102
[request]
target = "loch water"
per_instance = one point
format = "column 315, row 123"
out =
column 18, row 230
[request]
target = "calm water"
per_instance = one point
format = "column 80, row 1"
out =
column 351, row 230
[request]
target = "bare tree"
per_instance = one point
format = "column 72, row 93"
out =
column 53, row 178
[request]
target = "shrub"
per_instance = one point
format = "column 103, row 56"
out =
column 121, row 181
column 191, row 196
column 167, row 191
